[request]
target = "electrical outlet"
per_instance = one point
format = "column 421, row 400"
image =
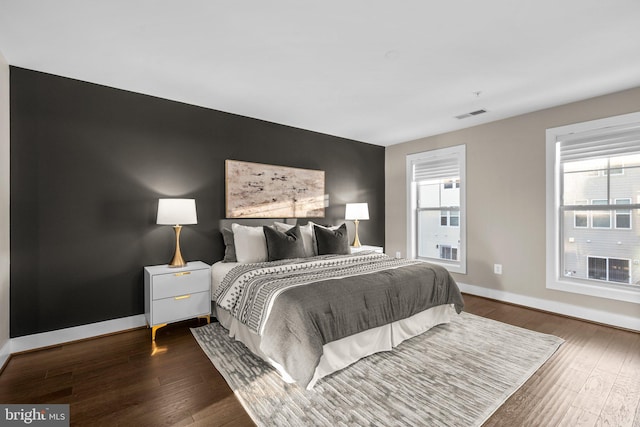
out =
column 497, row 268
column 398, row 254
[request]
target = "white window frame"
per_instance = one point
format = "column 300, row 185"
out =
column 615, row 214
column 457, row 266
column 554, row 279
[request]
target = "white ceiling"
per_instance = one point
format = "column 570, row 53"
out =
column 381, row 72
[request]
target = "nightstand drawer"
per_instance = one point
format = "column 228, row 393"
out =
column 180, row 283
column 180, row 307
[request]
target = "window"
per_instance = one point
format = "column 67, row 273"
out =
column 436, row 203
column 623, row 216
column 449, row 185
column 618, row 270
column 609, row 269
column 447, row 252
column 597, row 268
column 581, row 219
column 593, row 173
column 454, row 218
column 600, row 219
column 449, row 218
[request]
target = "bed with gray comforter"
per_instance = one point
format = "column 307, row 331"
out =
column 299, row 305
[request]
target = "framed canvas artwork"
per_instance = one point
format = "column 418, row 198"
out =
column 255, row 190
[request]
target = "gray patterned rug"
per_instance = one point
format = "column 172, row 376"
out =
column 453, row 375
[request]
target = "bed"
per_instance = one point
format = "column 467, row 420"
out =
column 312, row 315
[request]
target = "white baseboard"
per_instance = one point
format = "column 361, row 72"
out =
column 60, row 336
column 5, row 352
column 604, row 317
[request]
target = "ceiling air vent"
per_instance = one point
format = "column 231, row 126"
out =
column 471, row 114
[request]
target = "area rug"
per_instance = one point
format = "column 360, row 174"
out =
column 456, row 374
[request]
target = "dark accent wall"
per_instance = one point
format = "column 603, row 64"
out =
column 88, row 164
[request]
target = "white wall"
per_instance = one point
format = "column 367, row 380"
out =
column 506, row 199
column 4, row 210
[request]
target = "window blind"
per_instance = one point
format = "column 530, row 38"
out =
column 601, row 143
column 436, row 167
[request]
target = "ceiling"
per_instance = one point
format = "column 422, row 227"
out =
column 382, row 72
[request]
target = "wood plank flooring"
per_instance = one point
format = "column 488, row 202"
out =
column 123, row 379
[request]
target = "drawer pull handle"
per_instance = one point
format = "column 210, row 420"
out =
column 182, row 297
column 184, row 273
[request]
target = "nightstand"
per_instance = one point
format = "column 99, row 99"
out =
column 362, row 248
column 173, row 294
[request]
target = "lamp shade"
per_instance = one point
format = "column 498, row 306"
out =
column 177, row 211
column 356, row 211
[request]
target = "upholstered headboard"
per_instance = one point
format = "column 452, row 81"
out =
column 256, row 222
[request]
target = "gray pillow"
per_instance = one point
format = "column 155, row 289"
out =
column 229, row 246
column 284, row 245
column 332, row 241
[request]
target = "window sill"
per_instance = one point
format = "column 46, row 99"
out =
column 618, row 293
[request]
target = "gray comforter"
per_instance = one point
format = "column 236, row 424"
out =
column 302, row 318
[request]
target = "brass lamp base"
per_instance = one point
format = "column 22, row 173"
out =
column 356, row 241
column 177, row 260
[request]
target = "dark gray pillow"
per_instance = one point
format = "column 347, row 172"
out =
column 284, row 245
column 229, row 246
column 332, row 241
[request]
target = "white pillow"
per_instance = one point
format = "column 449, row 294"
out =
column 307, row 236
column 251, row 245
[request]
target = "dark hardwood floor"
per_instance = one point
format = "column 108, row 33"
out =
column 123, row 379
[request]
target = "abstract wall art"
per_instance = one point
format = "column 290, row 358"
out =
column 255, row 190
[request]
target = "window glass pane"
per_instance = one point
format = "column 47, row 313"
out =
column 598, row 268
column 581, row 220
column 578, row 186
column 624, row 184
column 623, row 220
column 454, row 220
column 445, row 252
column 433, row 194
column 450, row 196
column 429, row 194
column 601, row 254
column 585, row 165
column 623, row 216
column 432, row 236
column 619, row 270
column 632, row 160
column 600, row 219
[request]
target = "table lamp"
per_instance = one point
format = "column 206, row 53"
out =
column 355, row 212
column 176, row 212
